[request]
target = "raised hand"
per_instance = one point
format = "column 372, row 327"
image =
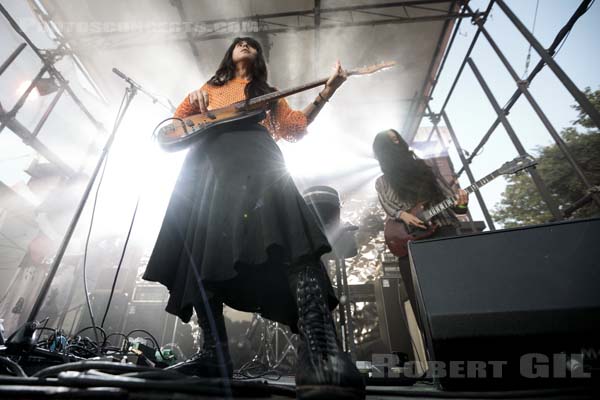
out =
column 338, row 77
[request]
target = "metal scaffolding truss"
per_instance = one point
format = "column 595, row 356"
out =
column 399, row 12
column 8, row 118
column 546, row 59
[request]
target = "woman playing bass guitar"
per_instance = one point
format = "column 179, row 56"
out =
column 237, row 231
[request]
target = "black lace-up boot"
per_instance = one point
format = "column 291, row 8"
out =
column 213, row 359
column 324, row 371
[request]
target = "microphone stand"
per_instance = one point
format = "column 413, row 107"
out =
column 137, row 86
column 22, row 341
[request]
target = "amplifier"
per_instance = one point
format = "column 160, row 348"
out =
column 512, row 297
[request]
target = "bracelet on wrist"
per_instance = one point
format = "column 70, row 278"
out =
column 462, row 206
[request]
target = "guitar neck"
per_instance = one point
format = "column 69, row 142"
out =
column 269, row 97
column 449, row 201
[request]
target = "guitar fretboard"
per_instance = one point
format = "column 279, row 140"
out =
column 266, row 98
column 449, row 201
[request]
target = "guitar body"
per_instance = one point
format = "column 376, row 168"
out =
column 181, row 134
column 397, row 234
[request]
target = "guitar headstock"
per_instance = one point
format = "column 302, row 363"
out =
column 372, row 68
column 518, row 164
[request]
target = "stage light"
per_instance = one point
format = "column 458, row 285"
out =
column 137, row 166
column 46, row 86
column 43, row 87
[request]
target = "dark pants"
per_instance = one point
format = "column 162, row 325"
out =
column 444, row 231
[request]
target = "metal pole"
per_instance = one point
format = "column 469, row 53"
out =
column 317, row 35
column 462, row 66
column 23, row 133
column 435, row 118
column 350, row 347
column 539, row 183
column 443, row 63
column 50, row 67
column 7, row 118
column 436, row 128
column 483, row 141
column 411, row 123
column 583, row 101
column 431, row 132
column 24, row 339
column 522, row 86
column 12, row 57
column 484, row 209
column 13, row 112
column 342, row 330
column 44, row 118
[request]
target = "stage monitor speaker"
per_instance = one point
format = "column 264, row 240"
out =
column 527, row 299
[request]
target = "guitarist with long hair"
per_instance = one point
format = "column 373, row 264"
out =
column 238, row 232
column 406, row 182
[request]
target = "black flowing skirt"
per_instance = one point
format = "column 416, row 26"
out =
column 234, row 226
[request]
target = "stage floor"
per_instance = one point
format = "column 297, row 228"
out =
column 98, row 385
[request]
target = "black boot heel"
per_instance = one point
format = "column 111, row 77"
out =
column 324, row 371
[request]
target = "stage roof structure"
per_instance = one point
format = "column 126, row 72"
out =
column 175, row 45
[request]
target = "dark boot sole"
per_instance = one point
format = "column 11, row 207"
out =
column 328, row 392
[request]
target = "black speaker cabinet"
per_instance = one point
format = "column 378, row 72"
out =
column 511, row 307
column 393, row 325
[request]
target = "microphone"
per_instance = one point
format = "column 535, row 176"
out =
column 130, row 81
column 119, row 73
column 139, row 87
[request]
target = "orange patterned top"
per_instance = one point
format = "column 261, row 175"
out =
column 285, row 123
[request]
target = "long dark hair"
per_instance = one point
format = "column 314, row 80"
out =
column 407, row 174
column 226, row 71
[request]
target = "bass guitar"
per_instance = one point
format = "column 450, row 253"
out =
column 397, row 234
column 182, row 132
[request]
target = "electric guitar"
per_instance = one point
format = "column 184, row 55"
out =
column 397, row 234
column 182, row 132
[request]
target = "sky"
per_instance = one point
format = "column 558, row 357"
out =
column 468, row 110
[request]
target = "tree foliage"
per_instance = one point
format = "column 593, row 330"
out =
column 521, row 203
